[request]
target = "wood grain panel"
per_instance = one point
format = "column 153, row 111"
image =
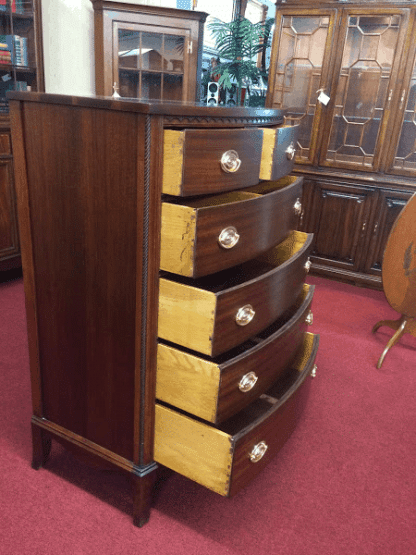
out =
column 186, row 315
column 200, row 160
column 262, row 216
column 173, row 152
column 194, row 449
column 270, row 295
column 84, row 206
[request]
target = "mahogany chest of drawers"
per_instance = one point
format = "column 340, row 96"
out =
column 165, row 285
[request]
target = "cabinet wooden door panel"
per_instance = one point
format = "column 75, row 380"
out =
column 338, row 241
column 389, row 206
column 9, row 236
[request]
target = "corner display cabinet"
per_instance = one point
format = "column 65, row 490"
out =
column 346, row 72
column 165, row 285
column 147, row 52
column 20, row 69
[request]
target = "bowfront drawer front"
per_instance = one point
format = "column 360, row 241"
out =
column 210, row 234
column 278, row 154
column 206, row 161
column 216, row 389
column 224, row 459
column 214, row 314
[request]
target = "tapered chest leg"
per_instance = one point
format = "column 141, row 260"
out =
column 143, row 484
column 41, row 444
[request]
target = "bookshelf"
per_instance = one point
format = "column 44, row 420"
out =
column 21, row 68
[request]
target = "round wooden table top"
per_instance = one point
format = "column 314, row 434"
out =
column 399, row 262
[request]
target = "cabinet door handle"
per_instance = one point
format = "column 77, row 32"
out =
column 244, row 315
column 230, row 162
column 228, row 238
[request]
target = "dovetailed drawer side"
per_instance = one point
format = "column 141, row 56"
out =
column 216, row 389
column 206, row 235
column 226, row 458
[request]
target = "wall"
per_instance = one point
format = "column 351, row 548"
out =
column 68, row 39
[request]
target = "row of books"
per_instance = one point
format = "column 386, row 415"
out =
column 10, row 85
column 16, row 6
column 13, row 50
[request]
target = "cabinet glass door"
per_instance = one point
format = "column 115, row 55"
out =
column 404, row 161
column 367, row 69
column 150, row 64
column 298, row 71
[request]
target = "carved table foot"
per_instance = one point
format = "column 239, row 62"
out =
column 402, row 325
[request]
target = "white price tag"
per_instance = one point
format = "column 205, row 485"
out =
column 323, row 98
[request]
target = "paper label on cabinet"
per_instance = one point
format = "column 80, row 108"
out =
column 323, row 98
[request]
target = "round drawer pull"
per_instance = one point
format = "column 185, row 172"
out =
column 297, row 207
column 258, row 451
column 228, row 238
column 290, row 152
column 309, row 318
column 247, row 382
column 244, row 315
column 308, row 266
column 230, row 162
column 313, row 371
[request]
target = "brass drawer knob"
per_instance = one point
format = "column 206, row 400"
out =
column 244, row 315
column 309, row 318
column 308, row 265
column 230, row 162
column 313, row 371
column 228, row 238
column 290, row 151
column 258, row 451
column 247, row 382
column 297, row 207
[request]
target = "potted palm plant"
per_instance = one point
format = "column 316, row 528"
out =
column 238, row 44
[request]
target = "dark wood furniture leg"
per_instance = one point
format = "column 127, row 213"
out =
column 41, row 444
column 143, row 483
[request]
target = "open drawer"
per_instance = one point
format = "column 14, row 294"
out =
column 225, row 458
column 206, row 161
column 214, row 314
column 279, row 149
column 206, row 235
column 216, row 389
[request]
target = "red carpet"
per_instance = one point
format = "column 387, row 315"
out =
column 343, row 484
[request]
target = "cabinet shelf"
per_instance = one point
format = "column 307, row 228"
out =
column 153, row 71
